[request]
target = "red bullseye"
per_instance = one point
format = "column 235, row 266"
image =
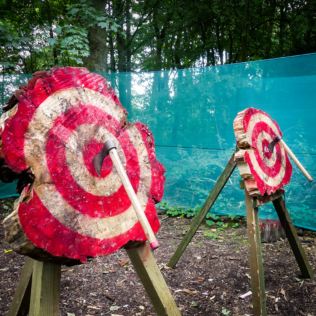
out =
column 266, row 158
column 89, row 152
column 62, row 120
column 266, row 151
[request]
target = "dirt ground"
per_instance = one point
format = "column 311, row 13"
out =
column 208, row 280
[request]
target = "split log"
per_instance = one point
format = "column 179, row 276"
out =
column 61, row 121
column 262, row 160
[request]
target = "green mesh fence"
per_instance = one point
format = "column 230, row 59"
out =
column 191, row 113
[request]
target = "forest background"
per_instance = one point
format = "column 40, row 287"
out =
column 126, row 35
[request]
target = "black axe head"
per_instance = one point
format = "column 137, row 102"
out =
column 98, row 159
column 273, row 143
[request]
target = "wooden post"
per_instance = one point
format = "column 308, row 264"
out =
column 290, row 231
column 21, row 301
column 45, row 289
column 255, row 259
column 198, row 219
column 148, row 271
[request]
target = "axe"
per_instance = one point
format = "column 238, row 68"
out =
column 291, row 154
column 110, row 149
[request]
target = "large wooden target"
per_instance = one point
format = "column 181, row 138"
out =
column 262, row 159
column 61, row 121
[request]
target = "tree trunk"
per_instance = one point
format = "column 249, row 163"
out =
column 282, row 26
column 98, row 44
column 112, row 53
column 160, row 36
column 51, row 33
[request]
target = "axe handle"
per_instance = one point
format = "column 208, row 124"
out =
column 133, row 197
column 299, row 165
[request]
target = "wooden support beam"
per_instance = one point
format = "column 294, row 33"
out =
column 255, row 259
column 21, row 301
column 290, row 231
column 198, row 219
column 148, row 271
column 45, row 289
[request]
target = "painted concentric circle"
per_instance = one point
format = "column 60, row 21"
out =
column 270, row 168
column 62, row 122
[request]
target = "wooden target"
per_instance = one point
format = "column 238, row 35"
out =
column 262, row 159
column 61, row 121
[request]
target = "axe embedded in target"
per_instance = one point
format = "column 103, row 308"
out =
column 109, row 148
column 72, row 206
column 261, row 157
column 70, row 114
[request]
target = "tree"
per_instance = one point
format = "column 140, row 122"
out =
column 40, row 34
column 128, row 35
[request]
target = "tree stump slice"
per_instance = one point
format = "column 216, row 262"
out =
column 261, row 159
column 58, row 123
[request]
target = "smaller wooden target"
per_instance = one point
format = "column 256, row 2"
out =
column 60, row 123
column 262, row 160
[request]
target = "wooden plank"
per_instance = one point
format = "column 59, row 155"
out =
column 198, row 219
column 255, row 259
column 290, row 231
column 148, row 271
column 45, row 289
column 21, row 300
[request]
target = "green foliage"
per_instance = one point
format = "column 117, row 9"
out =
column 42, row 34
column 6, row 207
column 225, row 311
column 151, row 34
column 222, row 222
column 211, row 220
column 211, row 234
column 73, row 44
column 178, row 211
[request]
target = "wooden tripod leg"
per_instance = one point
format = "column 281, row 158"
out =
column 21, row 301
column 198, row 219
column 45, row 289
column 148, row 271
column 290, row 231
column 255, row 259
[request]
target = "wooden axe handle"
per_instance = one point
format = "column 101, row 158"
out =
column 133, row 197
column 294, row 158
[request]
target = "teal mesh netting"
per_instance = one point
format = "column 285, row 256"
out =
column 191, row 113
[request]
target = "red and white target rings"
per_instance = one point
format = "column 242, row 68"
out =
column 61, row 123
column 257, row 136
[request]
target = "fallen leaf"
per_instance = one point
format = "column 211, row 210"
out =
column 4, row 269
column 94, row 307
column 200, row 279
column 123, row 262
column 114, row 308
column 242, row 296
column 187, row 291
column 283, row 293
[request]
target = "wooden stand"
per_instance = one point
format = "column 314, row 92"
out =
column 253, row 231
column 37, row 293
column 198, row 219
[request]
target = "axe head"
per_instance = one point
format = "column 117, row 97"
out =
column 273, row 143
column 98, row 159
